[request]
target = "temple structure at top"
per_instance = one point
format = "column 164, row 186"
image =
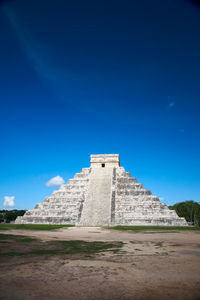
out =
column 104, row 161
column 102, row 195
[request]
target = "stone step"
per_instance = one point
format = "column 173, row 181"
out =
column 74, row 192
column 64, row 199
column 66, row 192
column 67, row 201
column 61, row 206
column 69, row 190
column 84, row 171
column 56, row 212
column 77, row 182
column 72, row 204
column 152, row 221
column 48, row 220
column 51, row 210
column 141, row 199
column 74, row 188
column 80, row 176
column 61, row 202
column 128, row 174
column 157, row 213
column 126, row 179
column 78, row 179
column 76, row 185
column 138, row 206
column 129, row 186
column 126, row 199
column 133, row 193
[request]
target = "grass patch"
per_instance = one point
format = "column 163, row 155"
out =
column 17, row 238
column 80, row 247
column 165, row 231
column 12, row 253
column 32, row 226
column 22, row 245
column 143, row 228
column 136, row 242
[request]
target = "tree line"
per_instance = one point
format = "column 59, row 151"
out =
column 7, row 216
column 190, row 210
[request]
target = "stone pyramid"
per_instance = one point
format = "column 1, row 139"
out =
column 102, row 195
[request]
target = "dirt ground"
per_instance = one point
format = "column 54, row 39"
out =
column 150, row 265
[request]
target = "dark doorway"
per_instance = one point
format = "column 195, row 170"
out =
column 103, row 165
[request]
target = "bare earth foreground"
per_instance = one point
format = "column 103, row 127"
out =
column 150, row 265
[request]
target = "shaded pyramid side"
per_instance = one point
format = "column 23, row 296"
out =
column 64, row 206
column 135, row 205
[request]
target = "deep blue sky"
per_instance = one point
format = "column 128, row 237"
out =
column 88, row 77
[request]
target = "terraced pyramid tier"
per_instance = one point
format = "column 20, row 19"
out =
column 64, row 206
column 102, row 195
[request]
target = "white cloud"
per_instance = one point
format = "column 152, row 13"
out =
column 171, row 104
column 55, row 181
column 9, row 201
column 162, row 198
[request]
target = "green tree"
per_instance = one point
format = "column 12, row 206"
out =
column 10, row 215
column 1, row 217
column 190, row 210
